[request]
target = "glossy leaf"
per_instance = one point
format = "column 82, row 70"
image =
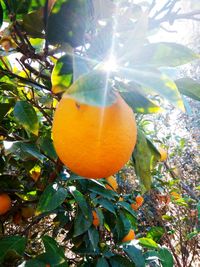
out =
column 122, row 227
column 135, row 255
column 1, row 15
column 53, row 251
column 93, row 236
column 102, row 262
column 189, row 87
column 26, row 116
column 155, row 233
column 153, row 80
column 107, row 204
column 33, row 24
column 81, row 225
column 143, row 159
column 148, row 242
column 119, row 261
column 46, row 146
column 12, row 244
column 4, row 108
column 165, row 54
column 81, row 201
column 25, row 151
column 93, row 89
column 100, row 190
column 140, row 103
column 62, row 74
column 67, row 22
column 166, row 257
column 51, row 198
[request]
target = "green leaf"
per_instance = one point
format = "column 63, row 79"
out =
column 25, row 151
column 189, row 87
column 1, row 15
column 4, row 108
column 165, row 54
column 166, row 257
column 93, row 236
column 143, row 159
column 153, row 80
column 12, row 244
column 51, row 198
column 102, row 262
column 26, row 116
column 53, row 251
column 80, row 199
column 46, row 145
column 33, row 24
column 119, row 261
column 80, row 66
column 148, row 242
column 140, row 103
column 67, row 22
column 155, row 233
column 105, row 204
column 122, row 226
column 135, row 255
column 127, row 207
column 92, row 89
column 81, row 225
column 62, row 74
column 35, row 263
column 100, row 190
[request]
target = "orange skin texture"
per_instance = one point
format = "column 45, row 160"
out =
column 94, row 142
column 130, row 236
column 135, row 206
column 95, row 221
column 113, row 183
column 163, row 154
column 5, row 203
column 139, row 200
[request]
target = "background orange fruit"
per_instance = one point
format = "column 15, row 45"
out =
column 113, row 183
column 94, row 142
column 130, row 236
column 95, row 221
column 134, row 206
column 139, row 200
column 5, row 203
column 163, row 154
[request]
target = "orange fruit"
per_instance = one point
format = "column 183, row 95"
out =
column 93, row 141
column 163, row 154
column 175, row 195
column 130, row 236
column 95, row 221
column 121, row 199
column 139, row 200
column 113, row 183
column 48, row 265
column 134, row 206
column 5, row 203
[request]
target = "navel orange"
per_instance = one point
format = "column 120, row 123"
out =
column 94, row 142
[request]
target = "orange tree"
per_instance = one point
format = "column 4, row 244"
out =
column 51, row 216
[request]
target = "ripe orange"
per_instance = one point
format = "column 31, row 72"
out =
column 130, row 236
column 175, row 195
column 135, row 206
column 5, row 203
column 113, row 183
column 139, row 200
column 94, row 142
column 163, row 154
column 95, row 221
